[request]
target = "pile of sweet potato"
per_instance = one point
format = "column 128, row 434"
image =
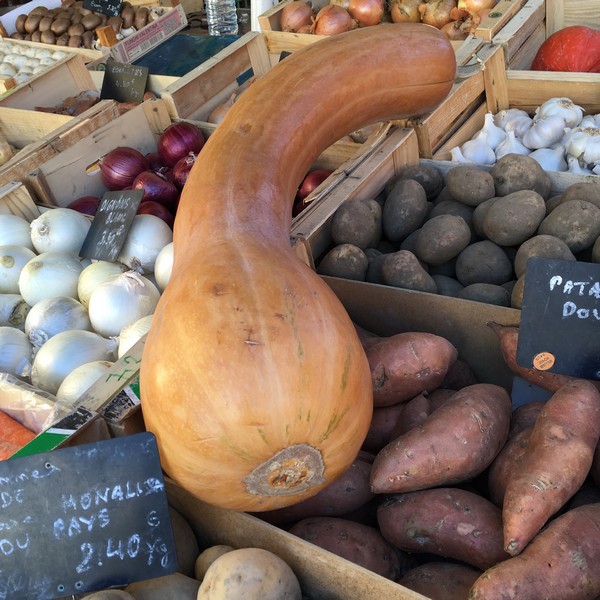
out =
column 455, row 494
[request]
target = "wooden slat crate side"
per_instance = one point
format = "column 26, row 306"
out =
column 67, row 77
column 523, row 56
column 24, row 127
column 564, row 13
column 497, row 18
column 15, row 199
column 40, row 151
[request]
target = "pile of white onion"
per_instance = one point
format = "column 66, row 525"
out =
column 65, row 319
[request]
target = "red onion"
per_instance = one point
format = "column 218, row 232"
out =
column 157, row 188
column 121, row 166
column 88, row 205
column 366, row 12
column 295, row 15
column 150, row 207
column 331, row 20
column 178, row 140
column 154, row 161
column 182, row 169
column 311, row 181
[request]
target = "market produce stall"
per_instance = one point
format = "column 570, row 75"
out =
column 321, row 428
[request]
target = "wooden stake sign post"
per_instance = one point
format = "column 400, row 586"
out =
column 560, row 318
column 84, row 518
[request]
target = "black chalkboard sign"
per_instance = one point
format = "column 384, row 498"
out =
column 84, row 518
column 124, row 82
column 111, row 224
column 106, row 7
column 560, row 318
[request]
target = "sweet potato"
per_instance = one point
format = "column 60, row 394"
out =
column 562, row 561
column 595, row 470
column 358, row 543
column 509, row 339
column 504, row 465
column 416, row 410
column 556, row 463
column 347, row 493
column 441, row 580
column 383, row 424
column 524, row 417
column 406, row 364
column 449, row 522
column 455, row 443
column 459, row 375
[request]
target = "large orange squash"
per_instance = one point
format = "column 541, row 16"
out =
column 253, row 378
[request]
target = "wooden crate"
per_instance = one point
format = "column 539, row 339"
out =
column 40, row 136
column 527, row 90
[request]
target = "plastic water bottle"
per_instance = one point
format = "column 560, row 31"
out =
column 222, row 17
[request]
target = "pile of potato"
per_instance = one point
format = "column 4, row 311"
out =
column 467, row 233
column 456, row 494
column 75, row 26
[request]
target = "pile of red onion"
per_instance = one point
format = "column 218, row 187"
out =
column 160, row 174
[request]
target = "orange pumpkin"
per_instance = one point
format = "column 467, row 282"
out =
column 253, row 378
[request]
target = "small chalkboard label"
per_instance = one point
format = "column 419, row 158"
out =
column 106, row 7
column 111, row 224
column 124, row 82
column 283, row 54
column 560, row 318
column 84, row 518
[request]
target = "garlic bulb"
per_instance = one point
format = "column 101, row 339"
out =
column 585, row 144
column 590, row 121
column 544, row 132
column 60, row 230
column 457, row 155
column 478, row 150
column 492, row 134
column 550, row 159
column 511, row 145
column 15, row 352
column 575, row 166
column 513, row 119
column 570, row 113
column 66, row 351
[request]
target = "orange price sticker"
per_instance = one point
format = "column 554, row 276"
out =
column 543, row 361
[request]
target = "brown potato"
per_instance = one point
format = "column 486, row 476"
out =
column 515, row 172
column 514, row 218
column 483, row 262
column 427, row 175
column 488, row 293
column 405, row 209
column 406, row 364
column 402, row 269
column 357, row 222
column 356, row 542
column 545, row 246
column 455, row 443
column 442, row 238
column 346, row 260
column 449, row 522
column 470, row 184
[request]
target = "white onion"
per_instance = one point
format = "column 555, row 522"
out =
column 65, row 352
column 81, row 379
column 95, row 274
column 12, row 260
column 130, row 334
column 60, row 230
column 53, row 315
column 147, row 237
column 13, row 310
column 163, row 266
column 48, row 275
column 15, row 352
column 14, row 230
column 121, row 301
